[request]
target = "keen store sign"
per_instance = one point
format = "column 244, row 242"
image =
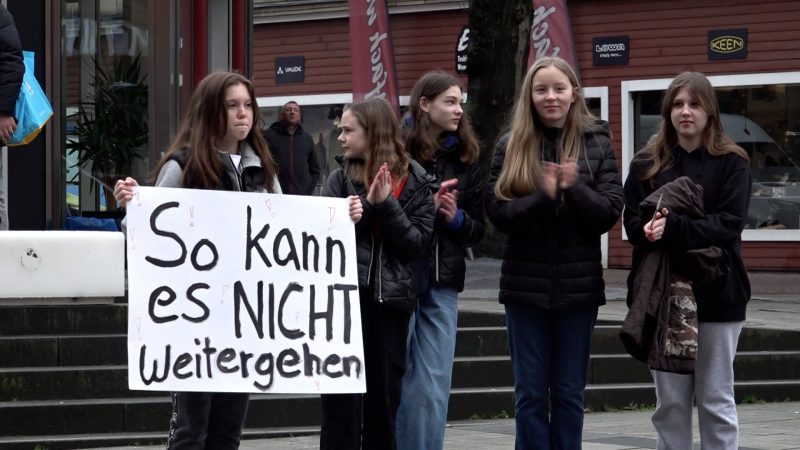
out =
column 727, row 44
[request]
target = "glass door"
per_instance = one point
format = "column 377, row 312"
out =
column 105, row 87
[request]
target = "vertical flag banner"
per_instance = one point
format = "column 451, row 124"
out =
column 551, row 32
column 373, row 66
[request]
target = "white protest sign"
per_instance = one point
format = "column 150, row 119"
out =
column 242, row 292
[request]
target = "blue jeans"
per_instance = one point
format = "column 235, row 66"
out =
column 550, row 356
column 422, row 415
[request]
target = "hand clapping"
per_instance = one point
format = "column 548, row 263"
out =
column 559, row 176
column 381, row 186
column 444, row 199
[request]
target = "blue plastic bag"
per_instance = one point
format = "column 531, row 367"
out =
column 79, row 223
column 32, row 110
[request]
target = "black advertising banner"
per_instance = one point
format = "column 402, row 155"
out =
column 727, row 44
column 290, row 69
column 461, row 50
column 610, row 51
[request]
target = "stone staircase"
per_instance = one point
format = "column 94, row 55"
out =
column 63, row 379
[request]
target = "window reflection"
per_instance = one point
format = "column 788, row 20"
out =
column 103, row 37
column 322, row 123
column 765, row 121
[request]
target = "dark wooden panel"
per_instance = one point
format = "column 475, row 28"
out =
column 422, row 42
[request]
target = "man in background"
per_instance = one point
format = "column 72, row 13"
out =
column 11, row 71
column 293, row 150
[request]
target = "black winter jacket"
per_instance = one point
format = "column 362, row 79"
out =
column 298, row 169
column 552, row 257
column 11, row 66
column 448, row 266
column 406, row 227
column 726, row 185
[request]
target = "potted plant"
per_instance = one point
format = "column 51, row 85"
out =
column 112, row 129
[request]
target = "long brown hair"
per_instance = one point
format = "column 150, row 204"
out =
column 522, row 167
column 420, row 142
column 205, row 124
column 382, row 134
column 659, row 148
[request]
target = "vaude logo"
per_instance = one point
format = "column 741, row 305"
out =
column 726, row 44
column 290, row 69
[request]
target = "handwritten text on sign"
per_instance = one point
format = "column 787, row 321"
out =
column 242, row 292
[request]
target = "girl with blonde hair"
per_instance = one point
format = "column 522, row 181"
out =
column 554, row 189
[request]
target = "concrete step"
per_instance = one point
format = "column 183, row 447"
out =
column 141, row 415
column 63, row 319
column 83, row 382
column 64, row 381
column 67, row 350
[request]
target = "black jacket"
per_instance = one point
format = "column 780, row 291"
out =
column 726, row 185
column 11, row 66
column 386, row 264
column 645, row 329
column 448, row 266
column 552, row 257
column 298, row 169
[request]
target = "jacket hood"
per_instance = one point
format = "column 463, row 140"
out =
column 280, row 127
column 599, row 127
column 249, row 156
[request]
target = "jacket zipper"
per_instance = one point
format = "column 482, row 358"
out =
column 236, row 175
column 371, row 257
column 380, row 249
column 436, row 258
column 380, row 273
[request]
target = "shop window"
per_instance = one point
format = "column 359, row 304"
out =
column 105, row 94
column 322, row 123
column 764, row 119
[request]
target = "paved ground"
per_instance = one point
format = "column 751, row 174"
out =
column 765, row 426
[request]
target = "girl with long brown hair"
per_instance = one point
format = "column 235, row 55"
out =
column 394, row 222
column 440, row 138
column 690, row 142
column 216, row 148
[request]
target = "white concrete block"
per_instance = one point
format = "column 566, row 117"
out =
column 65, row 264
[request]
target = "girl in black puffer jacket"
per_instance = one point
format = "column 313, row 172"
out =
column 439, row 136
column 394, row 222
column 554, row 189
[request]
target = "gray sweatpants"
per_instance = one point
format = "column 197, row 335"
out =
column 711, row 386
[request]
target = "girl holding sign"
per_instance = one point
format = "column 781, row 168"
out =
column 393, row 231
column 554, row 189
column 440, row 138
column 215, row 148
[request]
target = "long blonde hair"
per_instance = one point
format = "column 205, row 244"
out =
column 522, row 167
column 659, row 148
column 382, row 131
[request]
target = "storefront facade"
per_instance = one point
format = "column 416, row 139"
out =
column 628, row 51
column 137, row 61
